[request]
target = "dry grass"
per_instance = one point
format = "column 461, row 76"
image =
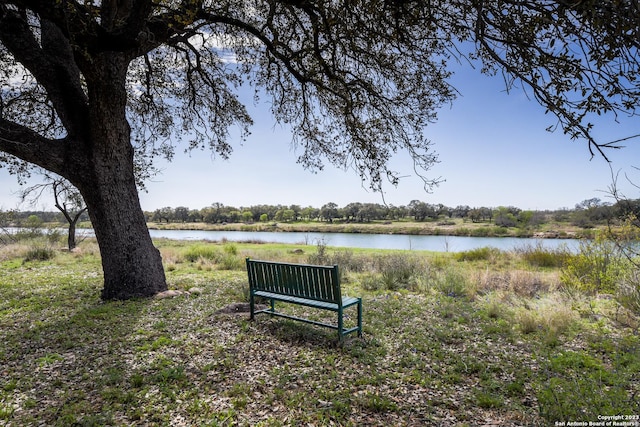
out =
column 551, row 315
column 519, row 282
column 15, row 250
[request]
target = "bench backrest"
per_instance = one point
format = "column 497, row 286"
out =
column 316, row 282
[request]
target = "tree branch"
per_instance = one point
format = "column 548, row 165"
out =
column 22, row 142
column 51, row 62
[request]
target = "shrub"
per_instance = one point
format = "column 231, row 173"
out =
column 321, row 257
column 370, row 282
column 230, row 249
column 628, row 292
column 39, row 253
column 196, row 252
column 228, row 261
column 347, row 261
column 480, row 254
column 598, row 267
column 344, row 259
column 399, row 271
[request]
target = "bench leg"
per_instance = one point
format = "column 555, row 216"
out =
column 360, row 318
column 252, row 306
column 340, row 326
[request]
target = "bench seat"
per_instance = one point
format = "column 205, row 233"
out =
column 307, row 285
column 346, row 301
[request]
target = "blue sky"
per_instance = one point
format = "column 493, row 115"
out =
column 493, row 150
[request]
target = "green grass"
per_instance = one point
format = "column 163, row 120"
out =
column 446, row 342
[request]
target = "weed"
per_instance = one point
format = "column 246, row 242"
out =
column 170, row 375
column 230, row 262
column 377, row 403
column 49, row 359
column 6, row 411
column 488, row 400
column 239, row 394
column 451, row 282
column 161, row 342
column 136, row 380
column 347, row 261
column 320, row 257
column 528, row 321
column 495, row 309
column 527, row 283
column 230, row 249
column 370, row 282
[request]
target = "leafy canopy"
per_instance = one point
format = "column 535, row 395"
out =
column 356, row 80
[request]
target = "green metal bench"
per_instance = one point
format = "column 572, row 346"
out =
column 309, row 285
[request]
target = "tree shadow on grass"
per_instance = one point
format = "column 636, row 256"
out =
column 68, row 355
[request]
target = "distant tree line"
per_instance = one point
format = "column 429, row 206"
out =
column 586, row 214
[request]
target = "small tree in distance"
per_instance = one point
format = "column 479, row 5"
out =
column 67, row 199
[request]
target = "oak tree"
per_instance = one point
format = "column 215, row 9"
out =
column 94, row 90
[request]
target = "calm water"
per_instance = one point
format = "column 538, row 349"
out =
column 350, row 240
column 372, row 241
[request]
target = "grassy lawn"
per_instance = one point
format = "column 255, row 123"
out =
column 448, row 340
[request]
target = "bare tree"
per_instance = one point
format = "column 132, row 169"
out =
column 67, row 199
column 6, row 218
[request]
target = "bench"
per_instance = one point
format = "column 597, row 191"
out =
column 308, row 285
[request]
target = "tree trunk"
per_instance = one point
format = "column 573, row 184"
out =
column 71, row 236
column 132, row 266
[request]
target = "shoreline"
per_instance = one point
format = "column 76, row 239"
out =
column 392, row 228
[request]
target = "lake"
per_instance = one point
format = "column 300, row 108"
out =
column 370, row 241
column 356, row 240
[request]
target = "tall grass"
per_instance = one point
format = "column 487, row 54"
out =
column 480, row 254
column 39, row 253
column 519, row 282
column 539, row 256
column 628, row 291
column 224, row 259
